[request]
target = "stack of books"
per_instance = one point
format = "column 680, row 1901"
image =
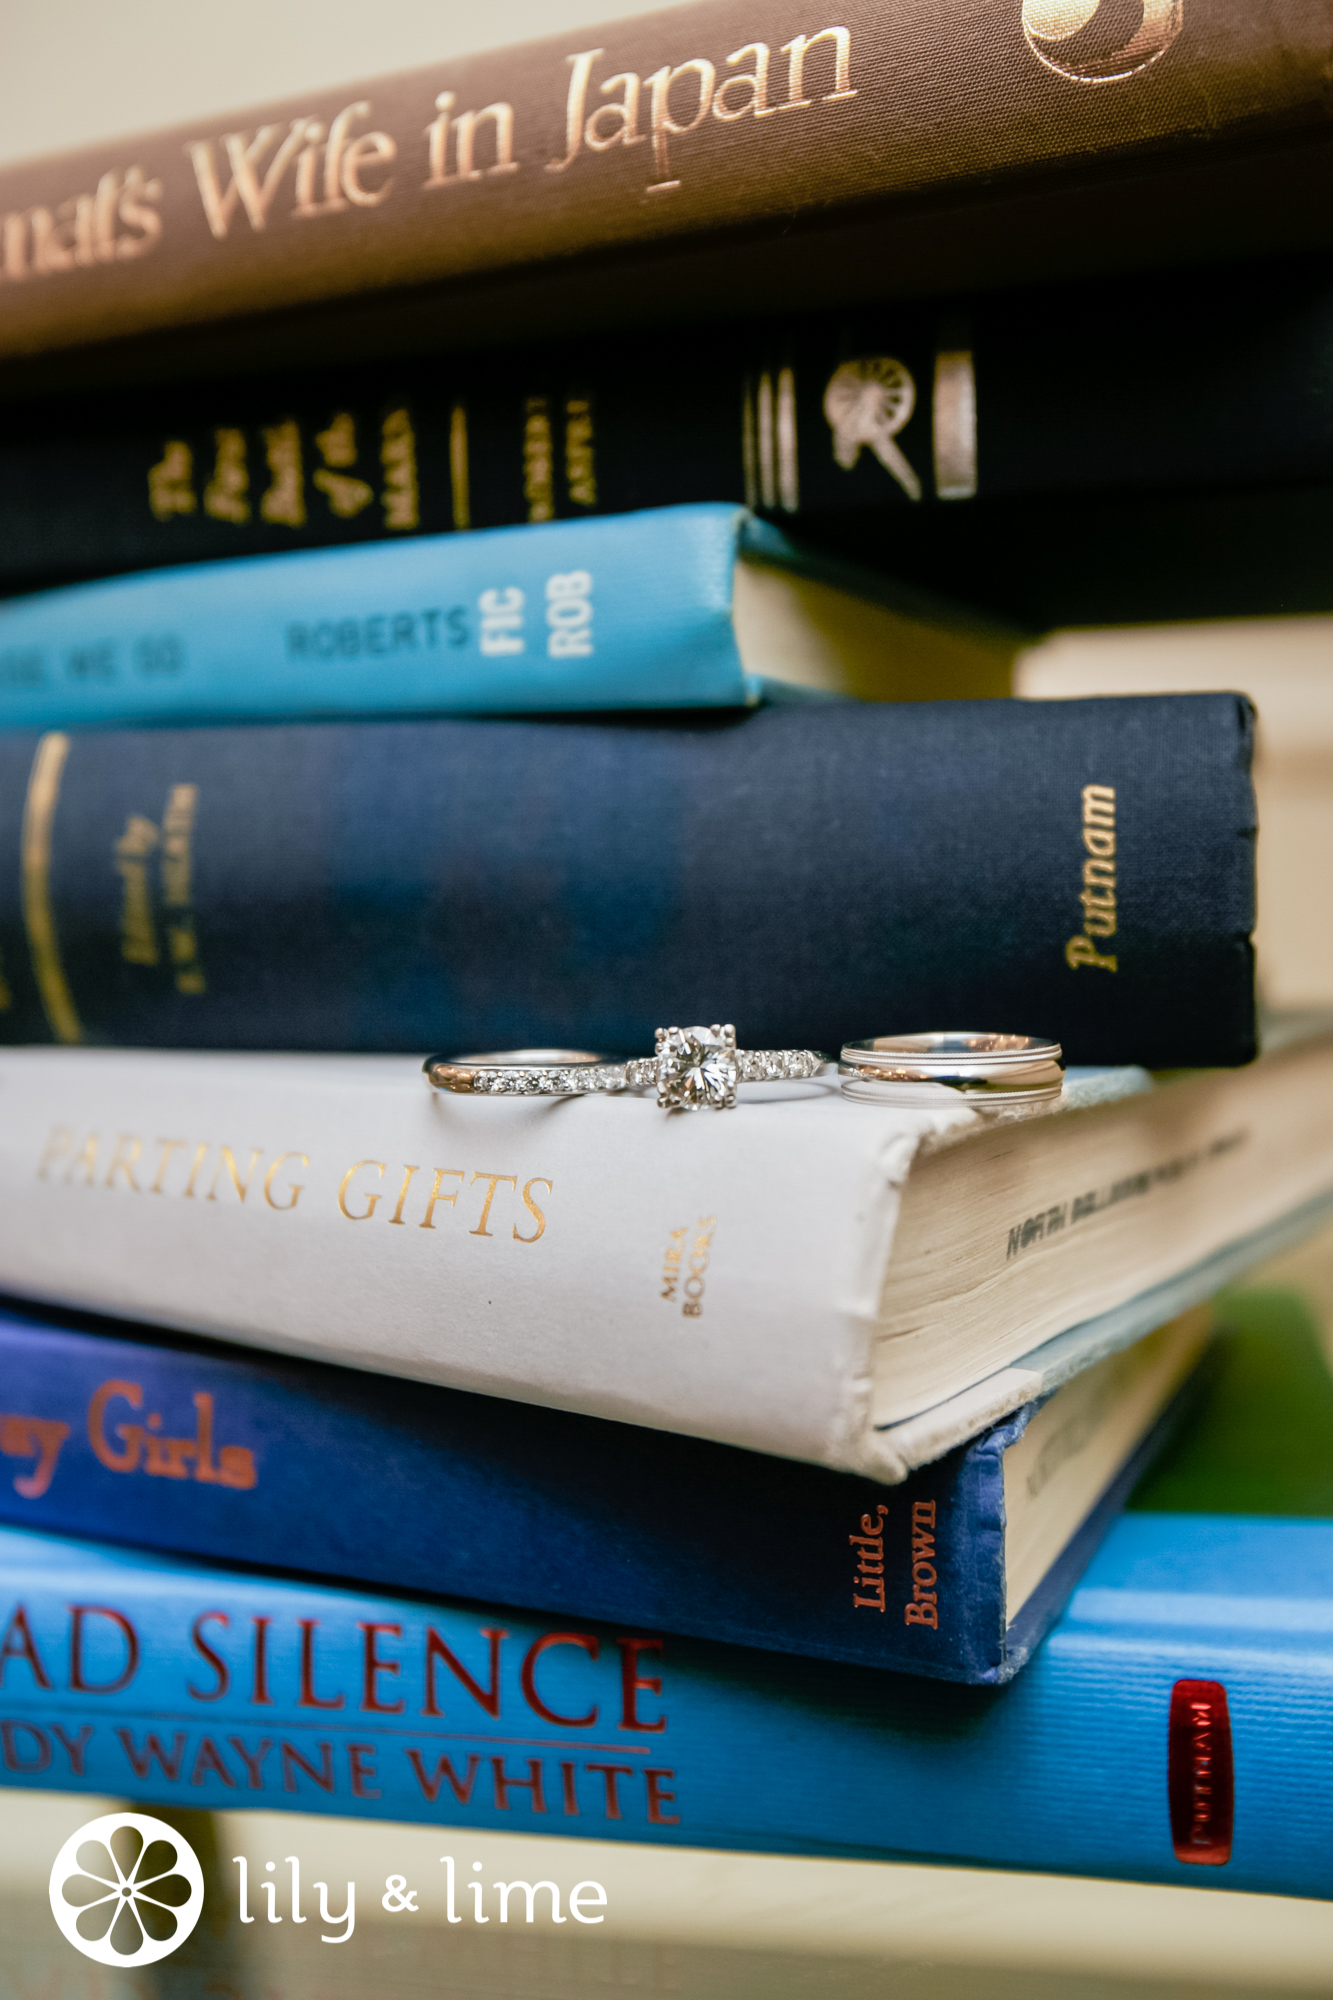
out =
column 613, row 1154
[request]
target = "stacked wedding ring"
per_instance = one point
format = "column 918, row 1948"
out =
column 692, row 1067
column 525, row 1073
column 992, row 1068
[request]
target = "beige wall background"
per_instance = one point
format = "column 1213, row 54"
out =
column 76, row 71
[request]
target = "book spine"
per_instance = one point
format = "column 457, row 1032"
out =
column 93, row 1423
column 318, row 887
column 302, row 1194
column 624, row 613
column 897, row 409
column 692, row 121
column 137, row 1678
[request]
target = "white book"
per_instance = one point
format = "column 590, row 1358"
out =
column 856, row 1284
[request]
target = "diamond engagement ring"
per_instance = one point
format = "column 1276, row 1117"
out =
column 692, row 1067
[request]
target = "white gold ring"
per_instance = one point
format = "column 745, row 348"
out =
column 975, row 1065
column 692, row 1067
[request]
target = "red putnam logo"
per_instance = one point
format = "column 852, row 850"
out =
column 126, row 1890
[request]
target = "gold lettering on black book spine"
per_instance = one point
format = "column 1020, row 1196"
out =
column 954, row 424
column 284, row 502
column 224, row 495
column 580, row 447
column 347, row 495
column 171, row 482
column 538, row 461
column 398, row 456
column 460, row 493
column 39, row 811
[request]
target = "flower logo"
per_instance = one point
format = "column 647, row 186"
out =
column 126, row 1890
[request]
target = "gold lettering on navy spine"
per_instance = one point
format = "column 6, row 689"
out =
column 538, row 466
column 580, row 460
column 284, row 502
column 398, row 456
column 138, row 934
column 224, row 495
column 178, row 888
column 347, row 495
column 171, row 481
column 460, row 488
column 1099, row 881
column 39, row 811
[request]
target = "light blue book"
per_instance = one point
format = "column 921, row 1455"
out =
column 1174, row 1727
column 676, row 607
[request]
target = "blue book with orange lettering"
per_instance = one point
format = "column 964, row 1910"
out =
column 700, row 606
column 205, row 1450
column 1174, row 1727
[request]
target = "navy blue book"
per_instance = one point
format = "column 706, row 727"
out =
column 901, row 408
column 1080, row 869
column 202, row 1450
column 1173, row 1728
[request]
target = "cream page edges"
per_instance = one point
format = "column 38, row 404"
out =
column 1078, row 1441
column 544, row 1250
column 1222, row 1153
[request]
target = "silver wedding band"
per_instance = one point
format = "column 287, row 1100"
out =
column 989, row 1067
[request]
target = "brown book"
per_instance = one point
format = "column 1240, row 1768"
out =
column 723, row 154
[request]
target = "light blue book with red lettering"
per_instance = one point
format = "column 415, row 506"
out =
column 1176, row 1726
column 676, row 607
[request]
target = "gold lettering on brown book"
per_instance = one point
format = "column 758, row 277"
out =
column 683, row 95
column 465, row 126
column 82, row 229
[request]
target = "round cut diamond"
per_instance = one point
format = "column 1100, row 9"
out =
column 697, row 1066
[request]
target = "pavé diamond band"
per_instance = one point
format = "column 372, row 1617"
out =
column 692, row 1067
